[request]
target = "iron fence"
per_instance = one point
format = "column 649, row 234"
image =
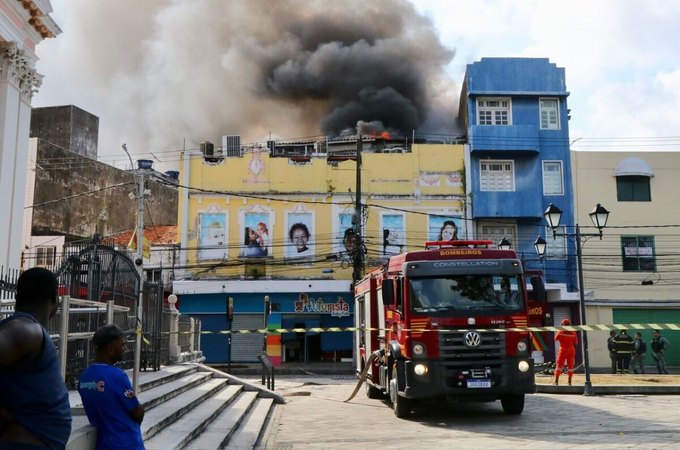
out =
column 185, row 338
column 101, row 284
column 8, row 282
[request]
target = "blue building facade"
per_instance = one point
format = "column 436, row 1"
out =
column 288, row 304
column 515, row 114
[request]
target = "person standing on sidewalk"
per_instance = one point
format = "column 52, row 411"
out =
column 567, row 352
column 611, row 346
column 109, row 401
column 659, row 346
column 624, row 351
column 34, row 405
column 639, row 350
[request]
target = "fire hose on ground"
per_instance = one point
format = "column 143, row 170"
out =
column 364, row 373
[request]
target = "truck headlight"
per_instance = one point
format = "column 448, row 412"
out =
column 420, row 369
column 523, row 366
column 522, row 346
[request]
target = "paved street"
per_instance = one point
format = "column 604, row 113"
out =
column 316, row 416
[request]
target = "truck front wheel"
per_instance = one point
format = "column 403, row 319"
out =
column 400, row 405
column 513, row 404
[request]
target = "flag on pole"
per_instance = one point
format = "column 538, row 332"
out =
column 146, row 247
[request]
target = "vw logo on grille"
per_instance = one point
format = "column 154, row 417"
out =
column 472, row 339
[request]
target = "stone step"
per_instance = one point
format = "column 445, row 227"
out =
column 164, row 392
column 192, row 406
column 160, row 393
column 249, row 432
column 223, row 427
column 147, row 381
column 151, row 379
column 192, row 423
column 158, row 418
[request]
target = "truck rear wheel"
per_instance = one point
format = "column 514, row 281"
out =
column 513, row 404
column 400, row 405
column 372, row 392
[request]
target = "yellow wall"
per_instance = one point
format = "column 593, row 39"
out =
column 426, row 181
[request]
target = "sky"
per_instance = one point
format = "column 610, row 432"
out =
column 163, row 75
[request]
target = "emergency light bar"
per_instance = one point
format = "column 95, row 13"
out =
column 429, row 245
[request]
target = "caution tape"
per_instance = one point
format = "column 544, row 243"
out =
column 598, row 327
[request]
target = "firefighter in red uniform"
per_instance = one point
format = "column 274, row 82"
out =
column 567, row 352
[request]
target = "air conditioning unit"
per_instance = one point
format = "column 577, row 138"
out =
column 231, row 145
column 208, row 149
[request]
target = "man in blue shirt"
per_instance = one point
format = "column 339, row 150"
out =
column 34, row 407
column 109, row 401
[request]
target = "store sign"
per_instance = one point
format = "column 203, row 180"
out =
column 309, row 305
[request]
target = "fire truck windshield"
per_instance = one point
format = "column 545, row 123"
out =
column 465, row 293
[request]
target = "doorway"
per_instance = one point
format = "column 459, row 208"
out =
column 301, row 347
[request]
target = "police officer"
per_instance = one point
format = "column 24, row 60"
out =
column 659, row 346
column 623, row 345
column 639, row 350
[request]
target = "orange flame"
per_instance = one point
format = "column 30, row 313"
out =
column 383, row 135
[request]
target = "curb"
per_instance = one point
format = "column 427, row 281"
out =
column 611, row 389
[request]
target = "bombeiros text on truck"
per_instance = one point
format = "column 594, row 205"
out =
column 437, row 324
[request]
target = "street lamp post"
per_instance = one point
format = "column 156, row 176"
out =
column 599, row 217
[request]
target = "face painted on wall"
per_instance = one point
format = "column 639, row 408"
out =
column 447, row 233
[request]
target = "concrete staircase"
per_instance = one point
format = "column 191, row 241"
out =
column 192, row 406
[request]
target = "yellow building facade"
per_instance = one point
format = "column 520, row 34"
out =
column 237, row 213
column 274, row 236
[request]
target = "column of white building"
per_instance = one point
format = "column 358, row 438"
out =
column 23, row 24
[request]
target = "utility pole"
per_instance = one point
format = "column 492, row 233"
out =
column 358, row 256
column 139, row 263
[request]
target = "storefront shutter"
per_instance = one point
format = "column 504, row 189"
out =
column 246, row 347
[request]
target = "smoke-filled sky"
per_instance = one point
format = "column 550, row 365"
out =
column 158, row 72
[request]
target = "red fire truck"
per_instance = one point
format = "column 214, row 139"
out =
column 431, row 325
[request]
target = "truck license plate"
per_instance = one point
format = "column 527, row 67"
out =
column 479, row 383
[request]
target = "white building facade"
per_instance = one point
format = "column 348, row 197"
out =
column 23, row 24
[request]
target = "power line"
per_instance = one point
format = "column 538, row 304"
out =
column 70, row 197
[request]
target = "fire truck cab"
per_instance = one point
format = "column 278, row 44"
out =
column 438, row 324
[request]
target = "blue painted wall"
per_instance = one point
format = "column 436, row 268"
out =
column 211, row 310
column 525, row 81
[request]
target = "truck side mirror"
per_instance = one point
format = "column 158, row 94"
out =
column 398, row 293
column 388, row 292
column 538, row 289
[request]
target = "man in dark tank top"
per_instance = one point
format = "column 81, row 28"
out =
column 34, row 406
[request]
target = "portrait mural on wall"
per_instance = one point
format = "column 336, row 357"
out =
column 299, row 236
column 394, row 234
column 256, row 241
column 344, row 238
column 444, row 228
column 212, row 242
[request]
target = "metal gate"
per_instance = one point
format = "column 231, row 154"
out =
column 100, row 273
